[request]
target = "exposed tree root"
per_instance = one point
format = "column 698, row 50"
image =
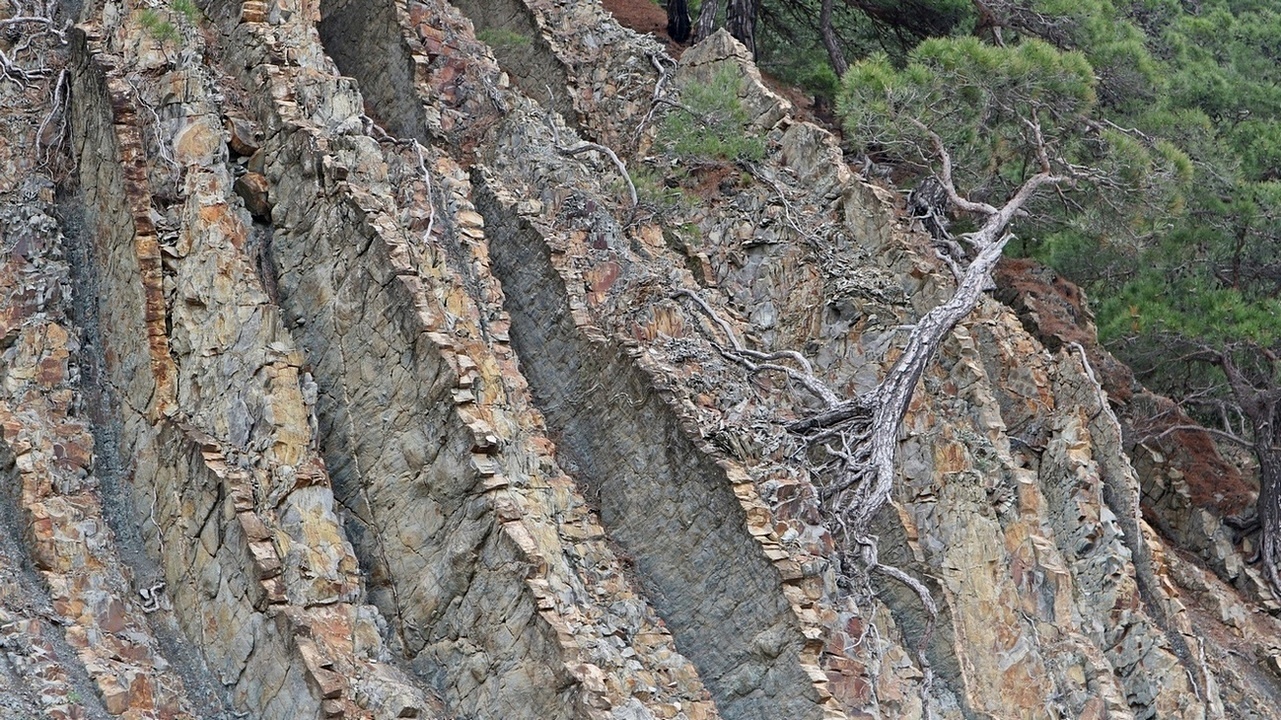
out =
column 585, row 146
column 857, row 438
column 36, row 35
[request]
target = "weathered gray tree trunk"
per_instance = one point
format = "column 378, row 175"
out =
column 707, row 19
column 870, row 470
column 740, row 20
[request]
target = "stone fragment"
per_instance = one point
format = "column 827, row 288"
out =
column 242, row 135
column 116, row 700
column 253, row 189
column 198, row 143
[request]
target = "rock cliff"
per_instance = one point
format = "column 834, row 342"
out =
column 345, row 377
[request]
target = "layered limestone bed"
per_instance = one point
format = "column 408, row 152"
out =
column 342, row 377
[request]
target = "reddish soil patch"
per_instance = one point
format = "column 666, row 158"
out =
column 646, row 18
column 1215, row 483
column 1055, row 311
column 709, row 179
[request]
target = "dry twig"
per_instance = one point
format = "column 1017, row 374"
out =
column 373, row 128
column 585, row 146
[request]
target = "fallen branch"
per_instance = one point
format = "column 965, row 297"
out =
column 431, row 202
column 162, row 147
column 585, row 146
column 1230, row 437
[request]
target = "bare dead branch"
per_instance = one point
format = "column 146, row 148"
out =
column 372, row 128
column 1038, row 141
column 788, row 217
column 431, row 202
column 57, row 112
column 1225, row 435
column 737, row 353
column 10, row 69
column 945, row 174
column 585, row 146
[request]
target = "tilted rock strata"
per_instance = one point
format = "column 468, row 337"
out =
column 78, row 639
column 492, row 574
column 739, row 630
column 337, row 333
column 1189, row 488
column 232, row 499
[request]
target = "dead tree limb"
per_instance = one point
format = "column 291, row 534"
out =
column 585, row 146
column 44, row 26
column 372, row 128
column 756, row 362
column 889, row 401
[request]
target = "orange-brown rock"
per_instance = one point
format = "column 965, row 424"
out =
column 253, row 188
column 341, row 380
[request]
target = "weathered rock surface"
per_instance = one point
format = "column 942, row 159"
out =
column 341, row 380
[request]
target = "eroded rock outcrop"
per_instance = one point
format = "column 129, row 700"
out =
column 343, row 379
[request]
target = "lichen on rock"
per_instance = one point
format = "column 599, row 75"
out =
column 344, row 378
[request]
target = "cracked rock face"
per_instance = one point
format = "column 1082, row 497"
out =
column 341, row 379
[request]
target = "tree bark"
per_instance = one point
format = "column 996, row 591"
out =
column 1258, row 394
column 740, row 20
column 1269, row 503
column 707, row 19
column 834, row 53
column 678, row 22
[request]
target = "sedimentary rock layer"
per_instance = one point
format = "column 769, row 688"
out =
column 232, row 501
column 493, row 575
column 366, row 390
column 671, row 506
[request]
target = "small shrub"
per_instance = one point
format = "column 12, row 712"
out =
column 188, row 9
column 711, row 125
column 652, row 188
column 156, row 26
column 500, row 38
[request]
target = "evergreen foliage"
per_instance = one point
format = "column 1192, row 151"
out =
column 1167, row 114
column 1166, row 117
column 708, row 124
column 986, row 104
column 1135, row 145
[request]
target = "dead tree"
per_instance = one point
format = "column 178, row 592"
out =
column 30, row 30
column 35, row 59
column 1253, row 393
column 860, row 435
column 867, row 427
